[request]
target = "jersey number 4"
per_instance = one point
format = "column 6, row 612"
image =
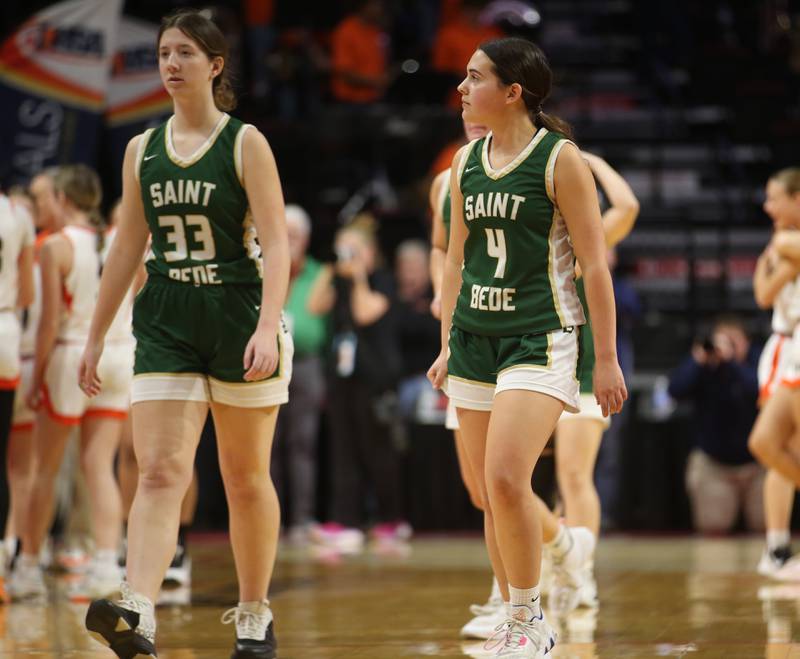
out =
column 496, row 248
column 202, row 236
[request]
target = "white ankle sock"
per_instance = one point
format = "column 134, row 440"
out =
column 105, row 557
column 259, row 607
column 525, row 603
column 777, row 539
column 28, row 560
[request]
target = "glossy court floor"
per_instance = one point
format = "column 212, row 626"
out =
column 676, row 597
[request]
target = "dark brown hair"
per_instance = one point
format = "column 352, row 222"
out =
column 209, row 38
column 518, row 60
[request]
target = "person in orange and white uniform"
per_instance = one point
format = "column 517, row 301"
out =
column 16, row 292
column 71, row 261
column 19, row 453
column 776, row 284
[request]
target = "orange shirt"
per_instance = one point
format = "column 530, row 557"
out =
column 456, row 42
column 449, row 11
column 357, row 47
column 258, row 12
column 445, row 158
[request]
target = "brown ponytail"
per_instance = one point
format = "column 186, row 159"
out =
column 518, row 60
column 81, row 185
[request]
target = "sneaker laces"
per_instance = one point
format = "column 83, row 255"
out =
column 491, row 606
column 516, row 631
column 133, row 602
column 249, row 625
column 499, row 637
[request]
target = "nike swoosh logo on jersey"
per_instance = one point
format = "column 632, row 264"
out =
column 469, row 169
column 150, row 157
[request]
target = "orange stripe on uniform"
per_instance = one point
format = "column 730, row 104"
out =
column 776, row 358
column 10, row 384
column 48, row 404
column 106, row 414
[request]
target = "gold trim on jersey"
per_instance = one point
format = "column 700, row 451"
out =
column 201, row 150
column 141, row 148
column 464, row 159
column 475, row 382
column 444, row 190
column 496, row 174
column 250, row 241
column 151, row 387
column 185, row 375
column 550, row 168
column 551, row 273
column 238, row 161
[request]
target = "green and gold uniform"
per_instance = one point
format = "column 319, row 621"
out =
column 201, row 303
column 518, row 282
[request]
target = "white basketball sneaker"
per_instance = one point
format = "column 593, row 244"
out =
column 568, row 572
column 27, row 582
column 588, row 590
column 771, row 562
column 523, row 640
column 487, row 619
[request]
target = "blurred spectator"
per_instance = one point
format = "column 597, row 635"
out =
column 457, row 39
column 719, row 378
column 444, row 160
column 294, row 463
column 365, row 369
column 258, row 18
column 448, row 10
column 296, row 67
column 419, row 331
column 359, row 44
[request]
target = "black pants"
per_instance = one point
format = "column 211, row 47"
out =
column 6, row 411
column 294, row 452
column 364, row 458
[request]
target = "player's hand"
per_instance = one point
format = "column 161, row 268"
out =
column 438, row 372
column 88, row 380
column 609, row 386
column 33, row 399
column 261, row 356
column 436, row 308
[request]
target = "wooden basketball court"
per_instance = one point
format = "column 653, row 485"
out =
column 676, row 597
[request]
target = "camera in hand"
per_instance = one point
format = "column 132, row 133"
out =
column 345, row 253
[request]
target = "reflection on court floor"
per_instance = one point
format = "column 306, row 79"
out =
column 676, row 597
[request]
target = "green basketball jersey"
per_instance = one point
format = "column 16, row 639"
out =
column 519, row 267
column 197, row 209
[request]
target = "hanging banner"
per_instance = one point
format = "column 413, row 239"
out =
column 136, row 96
column 54, row 74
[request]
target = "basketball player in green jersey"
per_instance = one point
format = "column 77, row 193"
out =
column 522, row 197
column 578, row 434
column 209, row 333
